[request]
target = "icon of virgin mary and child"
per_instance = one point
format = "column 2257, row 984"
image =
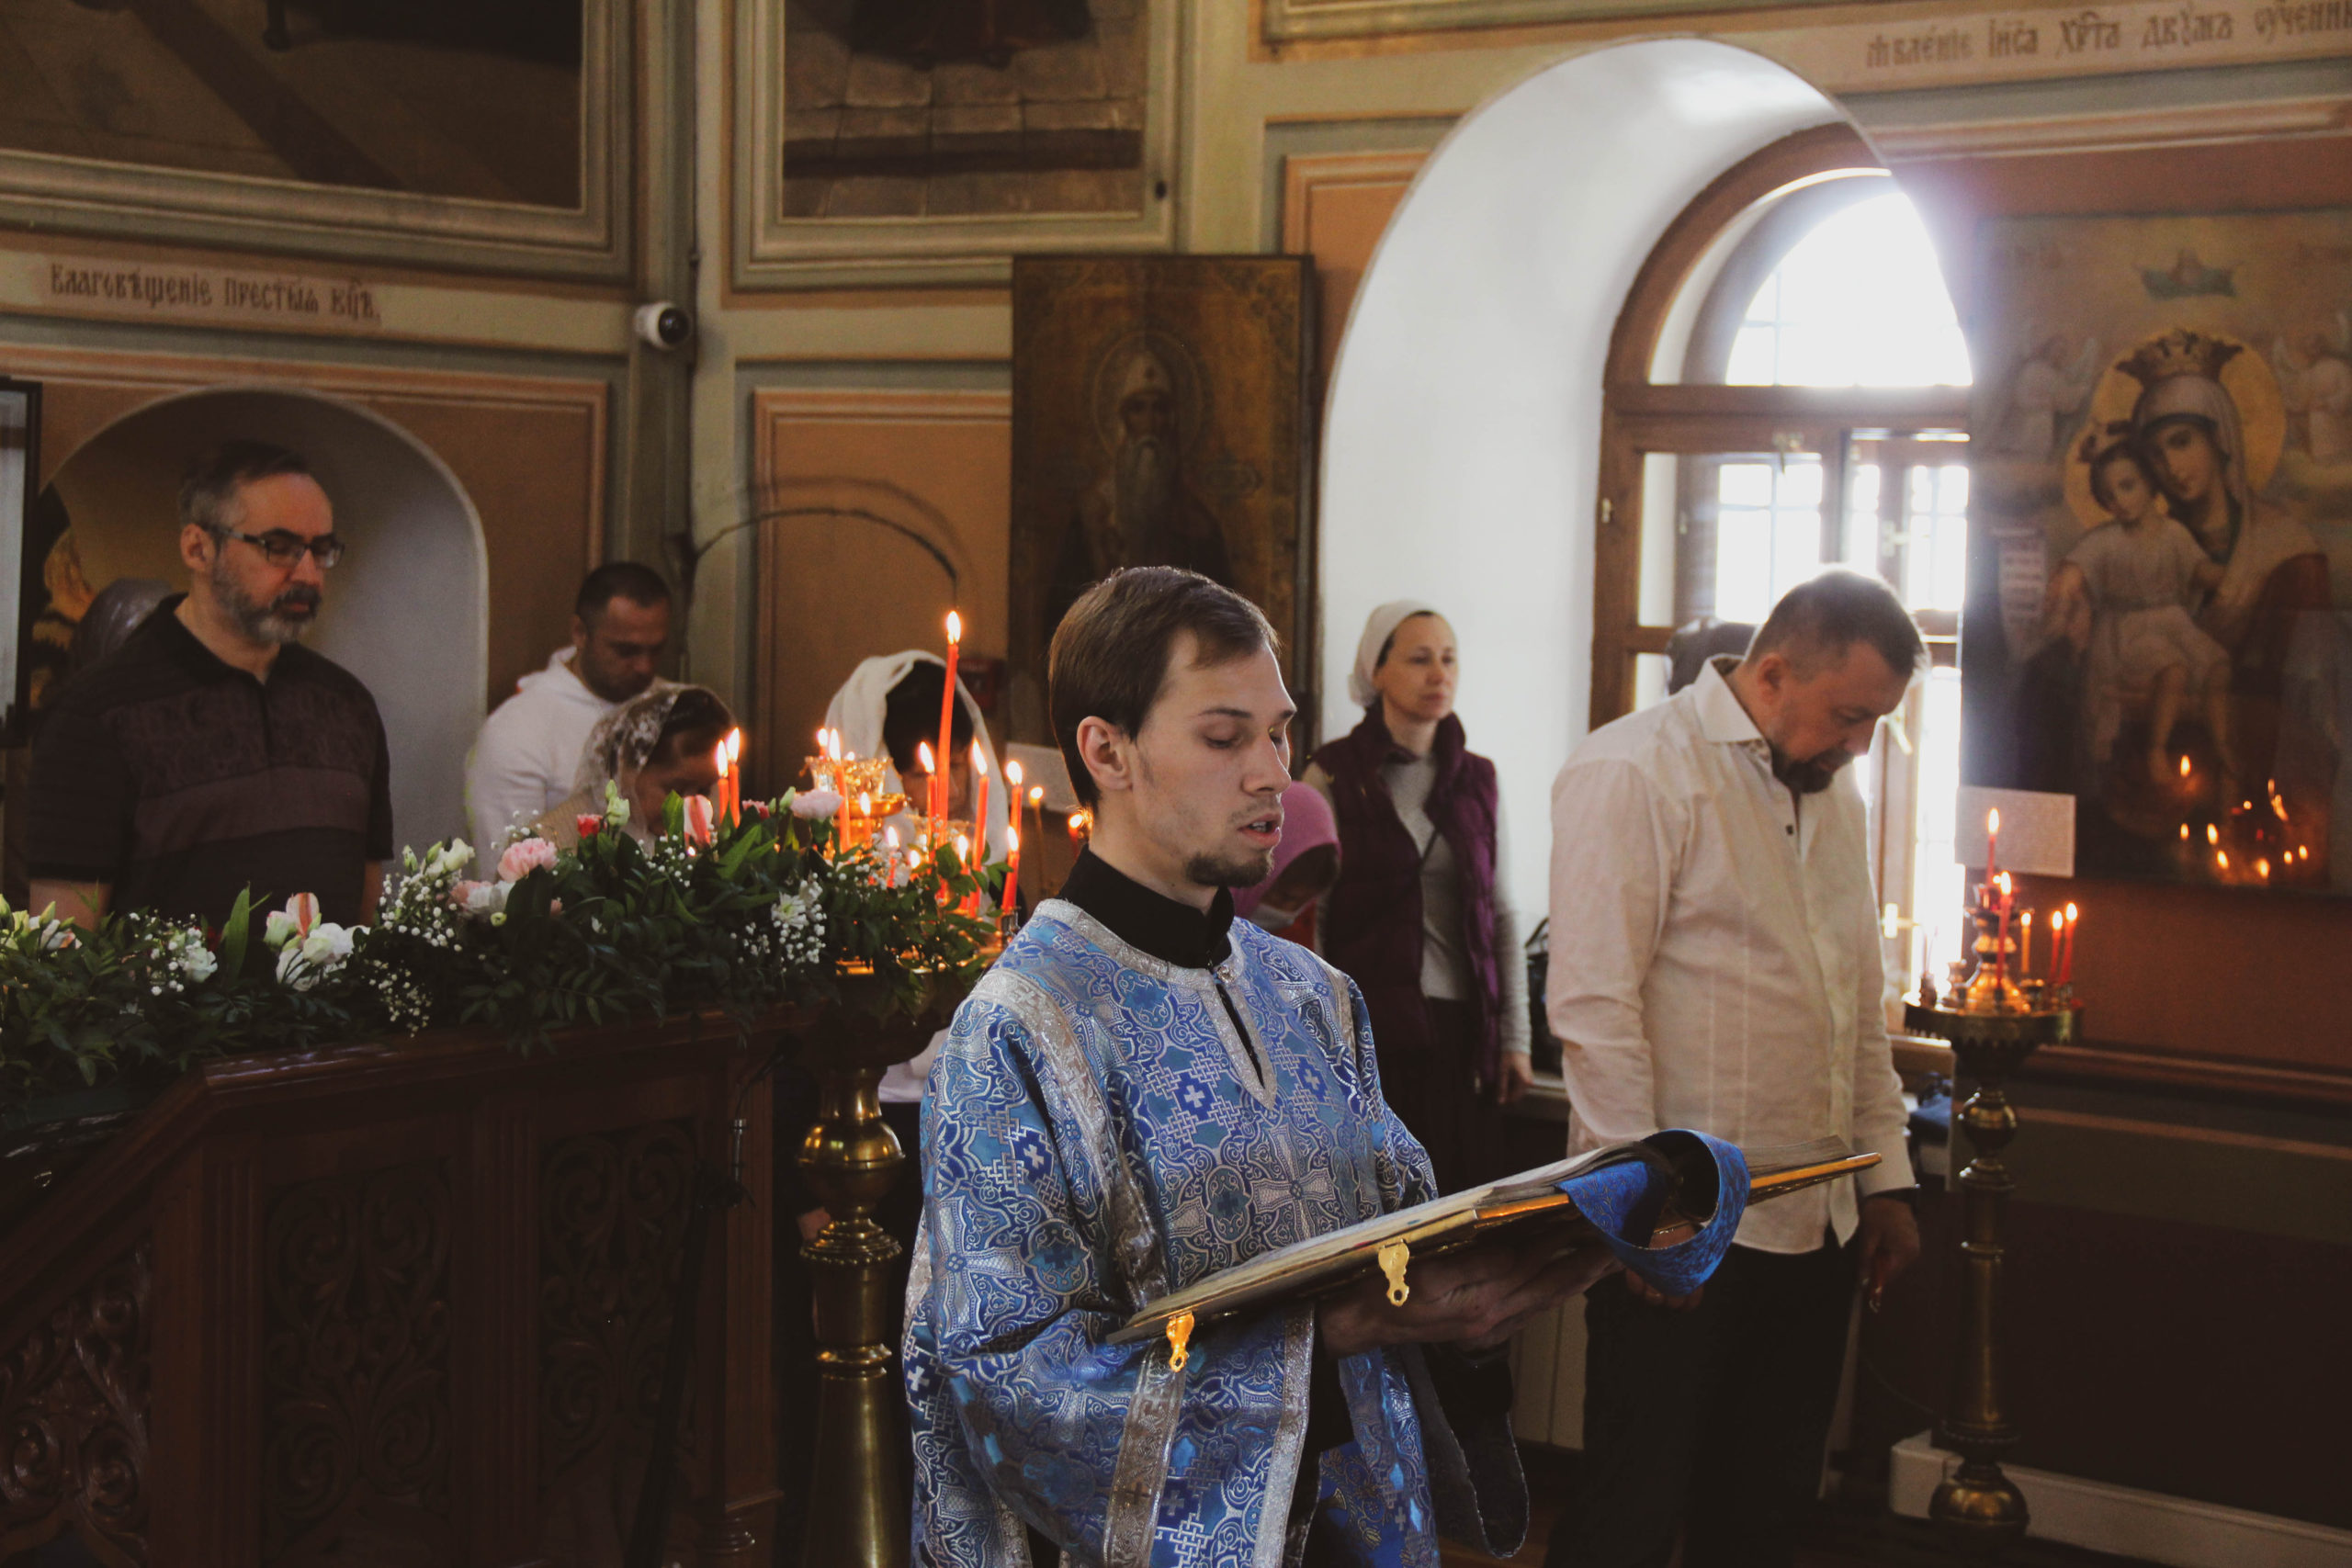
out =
column 2188, row 600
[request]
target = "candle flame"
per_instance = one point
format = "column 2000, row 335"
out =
column 2071, row 916
column 2183, row 833
column 955, row 626
column 2057, row 922
column 2222, row 858
column 979, row 759
column 721, row 755
column 2262, row 869
column 2026, row 920
column 734, row 744
column 1013, row 775
column 1036, row 795
column 1012, row 840
column 865, row 803
column 2002, row 882
column 2184, row 767
column 963, row 847
column 2212, row 834
column 891, row 842
column 923, row 756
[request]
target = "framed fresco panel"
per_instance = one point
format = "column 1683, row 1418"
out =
column 2160, row 607
column 1159, row 418
column 436, row 132
column 24, row 597
column 928, row 139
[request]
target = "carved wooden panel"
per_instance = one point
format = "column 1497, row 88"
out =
column 613, row 1209
column 355, row 1370
column 74, row 1403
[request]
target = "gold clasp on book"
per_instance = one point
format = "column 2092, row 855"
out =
column 1179, row 1333
column 1393, row 1256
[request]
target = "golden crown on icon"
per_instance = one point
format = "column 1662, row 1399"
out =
column 2179, row 353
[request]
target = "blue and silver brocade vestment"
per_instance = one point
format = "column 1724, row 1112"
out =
column 1097, row 1134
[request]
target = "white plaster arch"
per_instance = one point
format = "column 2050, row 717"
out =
column 407, row 611
column 1462, row 434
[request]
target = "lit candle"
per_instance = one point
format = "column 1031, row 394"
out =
column 718, row 790
column 891, row 856
column 2073, row 928
column 2025, row 945
column 1011, row 865
column 735, row 776
column 1992, row 842
column 1013, row 777
column 948, row 708
column 1078, row 829
column 980, row 799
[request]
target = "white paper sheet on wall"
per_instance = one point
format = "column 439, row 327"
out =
column 2037, row 831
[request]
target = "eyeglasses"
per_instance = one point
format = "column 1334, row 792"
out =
column 282, row 549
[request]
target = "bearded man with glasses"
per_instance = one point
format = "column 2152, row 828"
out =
column 211, row 752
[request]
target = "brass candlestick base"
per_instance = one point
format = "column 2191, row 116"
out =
column 857, row 1498
column 1979, row 1507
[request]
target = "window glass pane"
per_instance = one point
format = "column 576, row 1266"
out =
column 1936, row 876
column 1858, row 302
column 1767, row 532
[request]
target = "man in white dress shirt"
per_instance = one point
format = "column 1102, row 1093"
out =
column 528, row 752
column 1716, row 964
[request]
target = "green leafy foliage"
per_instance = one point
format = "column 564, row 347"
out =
column 765, row 914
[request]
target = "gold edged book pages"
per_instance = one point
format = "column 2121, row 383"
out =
column 1672, row 1198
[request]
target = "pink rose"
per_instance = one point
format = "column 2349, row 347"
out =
column 525, row 856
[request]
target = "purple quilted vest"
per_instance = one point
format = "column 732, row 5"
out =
column 1372, row 917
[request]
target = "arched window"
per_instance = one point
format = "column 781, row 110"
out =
column 1787, row 389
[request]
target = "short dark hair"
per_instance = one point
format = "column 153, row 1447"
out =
column 1824, row 615
column 910, row 713
column 1110, row 653
column 698, row 721
column 2126, row 451
column 210, row 485
column 619, row 580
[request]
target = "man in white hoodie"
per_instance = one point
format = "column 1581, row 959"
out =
column 529, row 749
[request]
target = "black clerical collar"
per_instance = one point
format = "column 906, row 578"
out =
column 1172, row 932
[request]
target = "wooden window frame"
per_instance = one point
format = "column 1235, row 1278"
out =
column 1640, row 417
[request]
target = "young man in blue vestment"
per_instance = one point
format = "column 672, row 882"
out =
column 1143, row 1092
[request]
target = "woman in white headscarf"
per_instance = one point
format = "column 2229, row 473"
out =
column 889, row 704
column 661, row 742
column 1420, row 915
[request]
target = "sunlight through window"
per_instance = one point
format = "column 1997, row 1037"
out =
column 1859, row 302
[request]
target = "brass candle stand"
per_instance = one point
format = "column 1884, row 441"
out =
column 1993, row 1025
column 857, row 1493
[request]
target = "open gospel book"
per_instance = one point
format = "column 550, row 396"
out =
column 1668, row 1206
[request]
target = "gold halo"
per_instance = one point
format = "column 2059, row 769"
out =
column 2247, row 378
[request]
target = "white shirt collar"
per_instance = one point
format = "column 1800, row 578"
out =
column 1721, row 717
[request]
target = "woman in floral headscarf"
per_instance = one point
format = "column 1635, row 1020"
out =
column 663, row 741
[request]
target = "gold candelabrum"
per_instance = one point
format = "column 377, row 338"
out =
column 858, row 1487
column 1993, row 1021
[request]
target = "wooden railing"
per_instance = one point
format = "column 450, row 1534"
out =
column 401, row 1305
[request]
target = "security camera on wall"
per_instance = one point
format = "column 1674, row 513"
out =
column 663, row 325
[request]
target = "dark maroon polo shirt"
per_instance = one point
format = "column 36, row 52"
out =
column 180, row 780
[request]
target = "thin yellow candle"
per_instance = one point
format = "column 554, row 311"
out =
column 930, row 790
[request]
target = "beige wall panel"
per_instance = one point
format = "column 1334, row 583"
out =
column 528, row 452
column 836, row 589
column 1335, row 208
